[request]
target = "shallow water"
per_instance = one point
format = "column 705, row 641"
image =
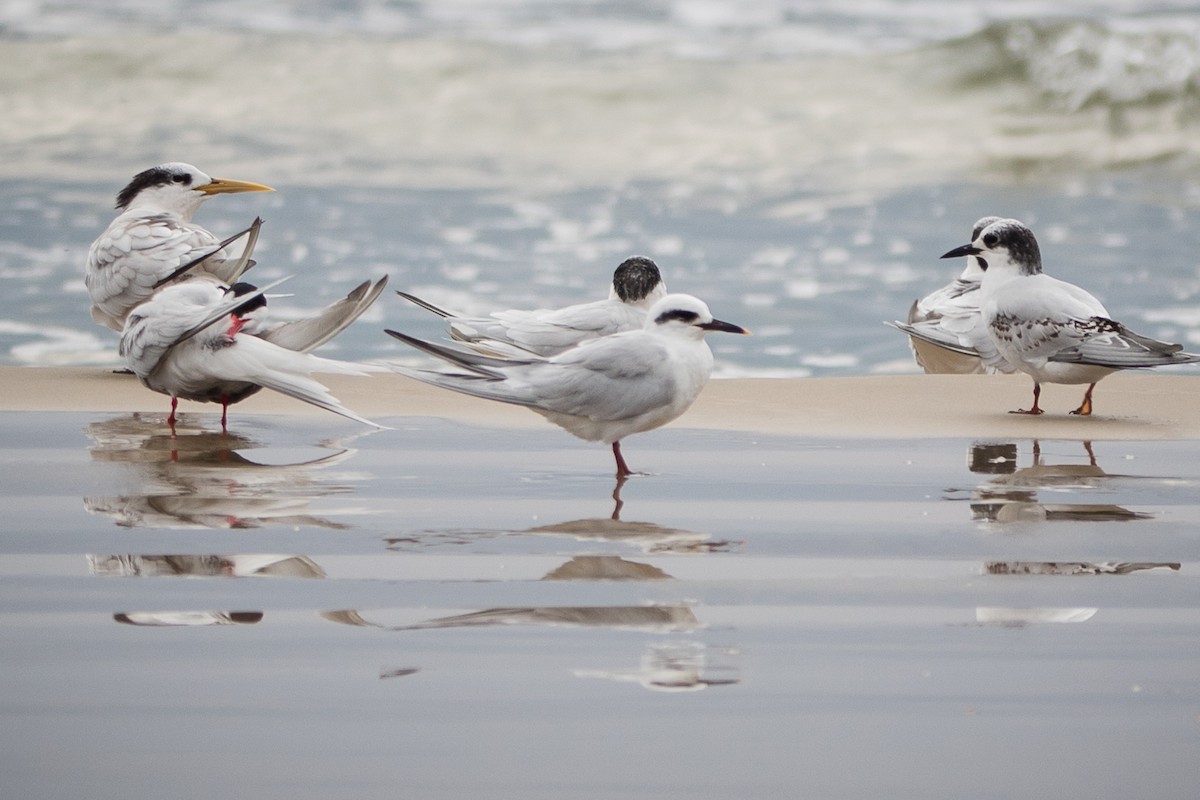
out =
column 298, row 609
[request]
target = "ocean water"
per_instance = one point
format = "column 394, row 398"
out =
column 800, row 166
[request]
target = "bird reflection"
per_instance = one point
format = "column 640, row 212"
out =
column 205, row 566
column 188, row 618
column 1011, row 495
column 1074, row 567
column 672, row 667
column 199, row 566
column 605, row 568
column 197, row 478
column 655, row 618
column 648, row 536
column 1020, row 617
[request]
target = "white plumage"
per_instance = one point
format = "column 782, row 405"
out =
column 187, row 342
column 637, row 285
column 1052, row 330
column 952, row 313
column 604, row 389
column 154, row 236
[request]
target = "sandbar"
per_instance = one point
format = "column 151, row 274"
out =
column 1129, row 406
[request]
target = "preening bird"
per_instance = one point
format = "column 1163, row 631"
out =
column 154, row 237
column 603, row 389
column 953, row 311
column 636, row 286
column 188, row 341
column 1052, row 330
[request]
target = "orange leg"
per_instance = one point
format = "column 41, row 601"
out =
column 1085, row 408
column 1037, row 392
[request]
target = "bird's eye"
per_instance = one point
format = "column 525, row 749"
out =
column 991, row 239
column 184, row 179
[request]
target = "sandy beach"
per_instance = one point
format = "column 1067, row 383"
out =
column 1128, row 406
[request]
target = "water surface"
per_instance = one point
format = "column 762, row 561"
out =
column 296, row 609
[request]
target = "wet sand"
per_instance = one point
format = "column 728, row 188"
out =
column 1128, row 406
column 861, row 587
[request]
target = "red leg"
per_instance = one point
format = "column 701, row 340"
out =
column 224, row 414
column 623, row 470
column 1037, row 392
column 171, row 416
column 1085, row 408
column 618, row 503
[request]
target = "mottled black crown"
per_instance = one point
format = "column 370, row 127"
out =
column 1020, row 242
column 155, row 176
column 636, row 278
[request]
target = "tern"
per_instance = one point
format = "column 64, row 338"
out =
column 187, row 341
column 1052, row 330
column 154, row 238
column 953, row 311
column 636, row 286
column 603, row 389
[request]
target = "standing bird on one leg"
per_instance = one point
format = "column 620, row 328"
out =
column 154, row 237
column 1052, row 330
column 604, row 389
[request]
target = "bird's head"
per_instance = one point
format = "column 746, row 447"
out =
column 687, row 315
column 250, row 316
column 179, row 188
column 638, row 282
column 1006, row 246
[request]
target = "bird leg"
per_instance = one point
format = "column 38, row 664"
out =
column 1085, row 408
column 623, row 470
column 1037, row 392
column 224, row 414
column 618, row 503
column 171, row 416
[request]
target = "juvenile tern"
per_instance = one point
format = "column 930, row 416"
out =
column 154, row 236
column 603, row 389
column 953, row 312
column 1052, row 330
column 636, row 286
column 187, row 341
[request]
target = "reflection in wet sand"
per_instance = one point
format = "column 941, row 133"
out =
column 1012, row 494
column 201, row 479
column 200, row 566
column 605, row 568
column 1073, row 567
column 1020, row 617
column 656, row 618
column 188, row 618
column 261, row 565
column 647, row 536
column 672, row 667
